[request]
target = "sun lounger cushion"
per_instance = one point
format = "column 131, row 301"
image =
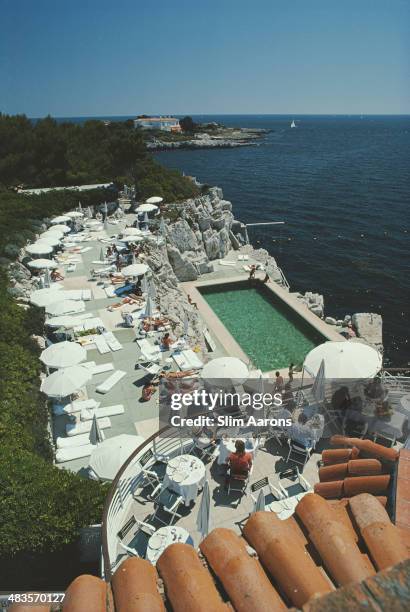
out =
column 102, row 368
column 112, row 341
column 151, row 350
column 187, row 360
column 66, row 442
column 77, row 452
column 101, row 345
column 110, row 291
column 105, row 411
column 75, row 406
column 243, row 257
column 227, row 263
column 75, row 429
column 112, row 380
column 152, row 368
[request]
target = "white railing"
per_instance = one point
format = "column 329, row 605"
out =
column 117, row 508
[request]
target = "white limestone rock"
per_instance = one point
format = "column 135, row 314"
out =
column 369, row 327
column 182, row 265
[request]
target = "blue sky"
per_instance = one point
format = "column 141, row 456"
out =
column 123, row 57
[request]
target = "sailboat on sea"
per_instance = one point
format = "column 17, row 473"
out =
column 293, row 124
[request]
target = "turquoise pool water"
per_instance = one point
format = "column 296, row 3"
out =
column 267, row 330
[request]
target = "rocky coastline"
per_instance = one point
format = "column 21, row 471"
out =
column 225, row 138
column 200, row 232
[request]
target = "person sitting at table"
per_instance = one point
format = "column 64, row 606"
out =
column 148, row 391
column 239, row 462
column 300, row 432
column 166, row 341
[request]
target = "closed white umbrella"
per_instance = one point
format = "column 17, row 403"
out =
column 65, row 381
column 203, row 519
column 63, row 355
column 162, row 227
column 152, row 291
column 96, row 435
column 107, row 458
column 146, row 208
column 47, row 279
column 229, row 369
column 154, row 200
column 105, row 209
column 144, row 285
column 50, row 239
column 65, row 307
column 102, row 254
column 89, row 212
column 260, row 502
column 135, row 270
column 146, row 220
column 59, row 228
column 149, row 307
column 186, row 324
column 39, row 248
column 345, row 359
column 42, row 264
column 318, row 388
column 75, row 214
column 80, row 208
column 60, row 219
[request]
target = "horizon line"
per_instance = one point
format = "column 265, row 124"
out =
column 363, row 114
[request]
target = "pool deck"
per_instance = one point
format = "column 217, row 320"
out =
column 225, row 275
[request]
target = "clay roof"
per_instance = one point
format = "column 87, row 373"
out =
column 402, row 501
column 331, row 555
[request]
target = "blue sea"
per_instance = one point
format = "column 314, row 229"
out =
column 342, row 186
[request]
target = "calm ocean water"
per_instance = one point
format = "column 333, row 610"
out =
column 342, row 186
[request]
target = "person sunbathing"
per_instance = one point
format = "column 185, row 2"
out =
column 148, row 391
column 173, row 375
column 56, row 276
column 166, row 341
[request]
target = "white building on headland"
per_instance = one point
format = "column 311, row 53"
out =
column 163, row 122
column 39, row 190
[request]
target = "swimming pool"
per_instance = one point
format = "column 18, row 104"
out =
column 267, row 329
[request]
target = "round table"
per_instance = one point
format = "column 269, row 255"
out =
column 185, row 475
column 227, row 446
column 164, row 537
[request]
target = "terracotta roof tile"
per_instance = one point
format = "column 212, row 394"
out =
column 86, row 593
column 134, row 586
column 242, row 576
column 285, row 557
column 333, row 456
column 378, row 451
column 333, row 540
column 188, row 585
column 377, row 485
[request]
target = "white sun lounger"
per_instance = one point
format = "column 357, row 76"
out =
column 80, row 440
column 76, row 452
column 188, row 360
column 102, row 368
column 112, row 341
column 150, row 350
column 101, row 344
column 227, row 263
column 110, row 292
column 86, row 249
column 110, row 382
column 105, row 411
column 152, row 368
column 243, row 257
column 75, row 406
column 75, row 429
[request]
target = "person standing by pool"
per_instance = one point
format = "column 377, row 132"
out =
column 252, row 272
column 290, row 373
column 279, row 382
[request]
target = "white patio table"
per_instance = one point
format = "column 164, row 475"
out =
column 185, row 475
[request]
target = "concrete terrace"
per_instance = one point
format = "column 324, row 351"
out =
column 141, row 418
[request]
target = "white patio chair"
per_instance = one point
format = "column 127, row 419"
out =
column 135, row 541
